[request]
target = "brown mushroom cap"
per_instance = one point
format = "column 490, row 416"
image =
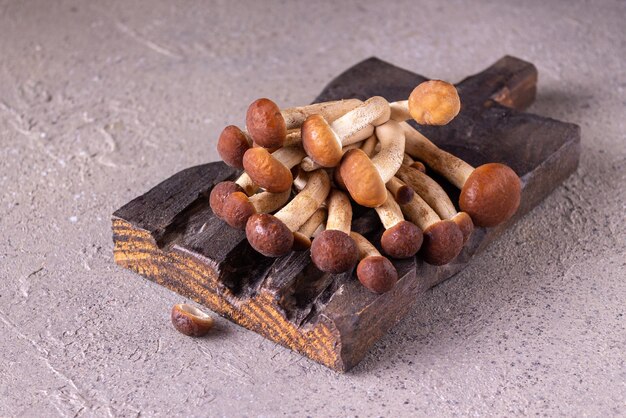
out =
column 465, row 224
column 491, row 194
column 237, row 209
column 434, row 102
column 190, row 320
column 219, row 194
column 404, row 194
column 266, row 124
column 268, row 235
column 377, row 274
column 443, row 241
column 403, row 240
column 320, row 142
column 231, row 146
column 333, row 251
column 362, row 179
column 267, row 171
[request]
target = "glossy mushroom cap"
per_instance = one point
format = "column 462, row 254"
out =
column 320, row 142
column 491, row 194
column 219, row 194
column 333, row 251
column 403, row 240
column 237, row 209
column 434, row 102
column 269, row 235
column 443, row 241
column 362, row 180
column 231, row 146
column 267, row 171
column 377, row 274
column 465, row 224
column 266, row 124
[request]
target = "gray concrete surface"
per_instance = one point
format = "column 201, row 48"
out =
column 101, row 100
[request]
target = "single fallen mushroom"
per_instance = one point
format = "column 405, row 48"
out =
column 437, row 198
column 234, row 142
column 443, row 239
column 272, row 171
column 238, row 206
column 374, row 271
column 222, row 190
column 401, row 239
column 490, row 194
column 272, row 235
column 323, row 141
column 313, row 226
column 268, row 125
column 433, row 102
column 365, row 178
column 190, row 320
column 333, row 251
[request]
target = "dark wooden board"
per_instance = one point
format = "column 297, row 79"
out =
column 170, row 235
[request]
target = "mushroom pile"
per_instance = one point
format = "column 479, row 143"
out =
column 305, row 167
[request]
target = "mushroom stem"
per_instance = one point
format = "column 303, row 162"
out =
column 331, row 111
column 313, row 226
column 401, row 239
column 272, row 171
column 389, row 158
column 339, row 212
column 410, row 162
column 433, row 102
column 369, row 145
column 374, row 271
column 490, row 194
column 400, row 191
column 302, row 206
column 238, row 207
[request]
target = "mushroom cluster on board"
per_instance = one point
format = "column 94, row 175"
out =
column 304, row 168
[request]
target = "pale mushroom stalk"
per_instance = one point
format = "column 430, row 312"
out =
column 268, row 125
column 401, row 239
column 333, row 251
column 369, row 145
column 323, row 141
column 400, row 191
column 437, row 198
column 272, row 171
column 374, row 271
column 238, row 207
column 490, row 194
column 410, row 162
column 313, row 226
column 272, row 235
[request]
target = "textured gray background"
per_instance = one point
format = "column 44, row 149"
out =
column 98, row 102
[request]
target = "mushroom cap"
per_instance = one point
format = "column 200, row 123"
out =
column 403, row 240
column 190, row 320
column 333, row 251
column 218, row 195
column 269, row 235
column 377, row 274
column 362, row 179
column 267, row 171
column 231, row 146
column 300, row 242
column 491, row 194
column 320, row 142
column 443, row 241
column 404, row 194
column 419, row 166
column 434, row 102
column 465, row 224
column 237, row 209
column 266, row 124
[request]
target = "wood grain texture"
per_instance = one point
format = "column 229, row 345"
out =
column 170, row 235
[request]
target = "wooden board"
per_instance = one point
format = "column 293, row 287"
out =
column 170, row 235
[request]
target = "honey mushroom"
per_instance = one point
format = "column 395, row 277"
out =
column 272, row 171
column 433, row 102
column 490, row 194
column 222, row 190
column 443, row 239
column 365, row 178
column 233, row 143
column 238, row 206
column 401, row 239
column 268, row 125
column 437, row 198
column 323, row 141
column 332, row 250
column 374, row 271
column 190, row 320
column 272, row 235
column 308, row 164
column 313, row 226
